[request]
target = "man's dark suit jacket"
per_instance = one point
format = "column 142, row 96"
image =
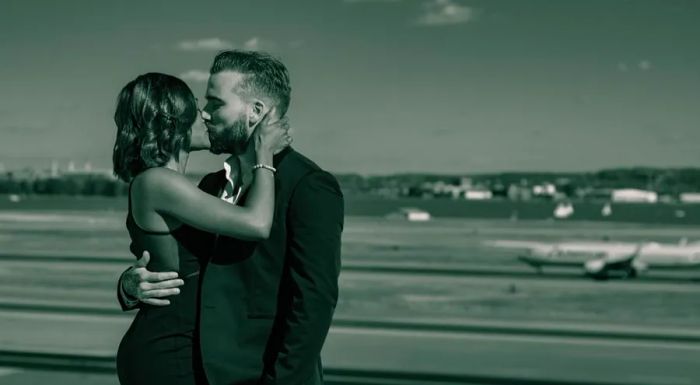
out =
column 265, row 308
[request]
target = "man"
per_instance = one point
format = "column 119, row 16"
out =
column 265, row 308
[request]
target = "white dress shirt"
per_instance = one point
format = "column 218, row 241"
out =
column 232, row 190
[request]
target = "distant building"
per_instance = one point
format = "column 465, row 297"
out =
column 466, row 182
column 690, row 197
column 478, row 194
column 443, row 189
column 634, row 196
column 411, row 214
column 544, row 190
column 563, row 210
column 54, row 169
column 519, row 192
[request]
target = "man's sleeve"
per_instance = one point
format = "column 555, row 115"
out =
column 125, row 301
column 314, row 226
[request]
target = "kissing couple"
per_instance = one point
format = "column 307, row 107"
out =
column 236, row 279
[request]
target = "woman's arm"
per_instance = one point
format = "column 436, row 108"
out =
column 173, row 195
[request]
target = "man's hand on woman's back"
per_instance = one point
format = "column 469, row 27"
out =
column 149, row 287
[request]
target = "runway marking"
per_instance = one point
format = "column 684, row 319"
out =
column 390, row 330
column 19, row 216
column 666, row 380
column 593, row 341
column 9, row 371
column 41, row 316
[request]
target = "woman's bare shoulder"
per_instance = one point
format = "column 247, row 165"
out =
column 161, row 181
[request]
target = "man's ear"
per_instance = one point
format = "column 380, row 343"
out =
column 256, row 112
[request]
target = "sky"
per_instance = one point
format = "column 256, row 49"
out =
column 378, row 86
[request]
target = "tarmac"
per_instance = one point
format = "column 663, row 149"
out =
column 488, row 357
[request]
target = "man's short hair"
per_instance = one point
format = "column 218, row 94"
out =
column 265, row 75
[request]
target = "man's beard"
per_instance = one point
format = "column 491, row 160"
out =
column 231, row 140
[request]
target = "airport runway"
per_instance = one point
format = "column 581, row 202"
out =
column 377, row 265
column 19, row 376
column 92, row 286
column 525, row 357
column 54, row 299
column 480, row 351
column 376, row 294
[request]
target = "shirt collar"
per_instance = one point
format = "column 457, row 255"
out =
column 231, row 166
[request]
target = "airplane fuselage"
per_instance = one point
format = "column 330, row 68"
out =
column 600, row 258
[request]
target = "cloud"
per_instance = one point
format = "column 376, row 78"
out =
column 252, row 44
column 195, row 76
column 255, row 43
column 445, row 12
column 644, row 65
column 211, row 44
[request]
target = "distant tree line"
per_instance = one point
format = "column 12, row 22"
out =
column 64, row 185
column 665, row 181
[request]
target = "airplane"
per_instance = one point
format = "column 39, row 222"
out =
column 603, row 260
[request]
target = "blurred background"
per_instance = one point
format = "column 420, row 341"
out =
column 521, row 179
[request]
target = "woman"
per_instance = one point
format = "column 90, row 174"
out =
column 155, row 116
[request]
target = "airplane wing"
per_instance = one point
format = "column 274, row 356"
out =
column 512, row 244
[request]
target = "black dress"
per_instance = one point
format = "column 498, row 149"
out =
column 159, row 347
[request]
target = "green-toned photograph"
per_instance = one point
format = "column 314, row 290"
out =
column 350, row 192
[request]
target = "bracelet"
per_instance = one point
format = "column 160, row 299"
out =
column 266, row 167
